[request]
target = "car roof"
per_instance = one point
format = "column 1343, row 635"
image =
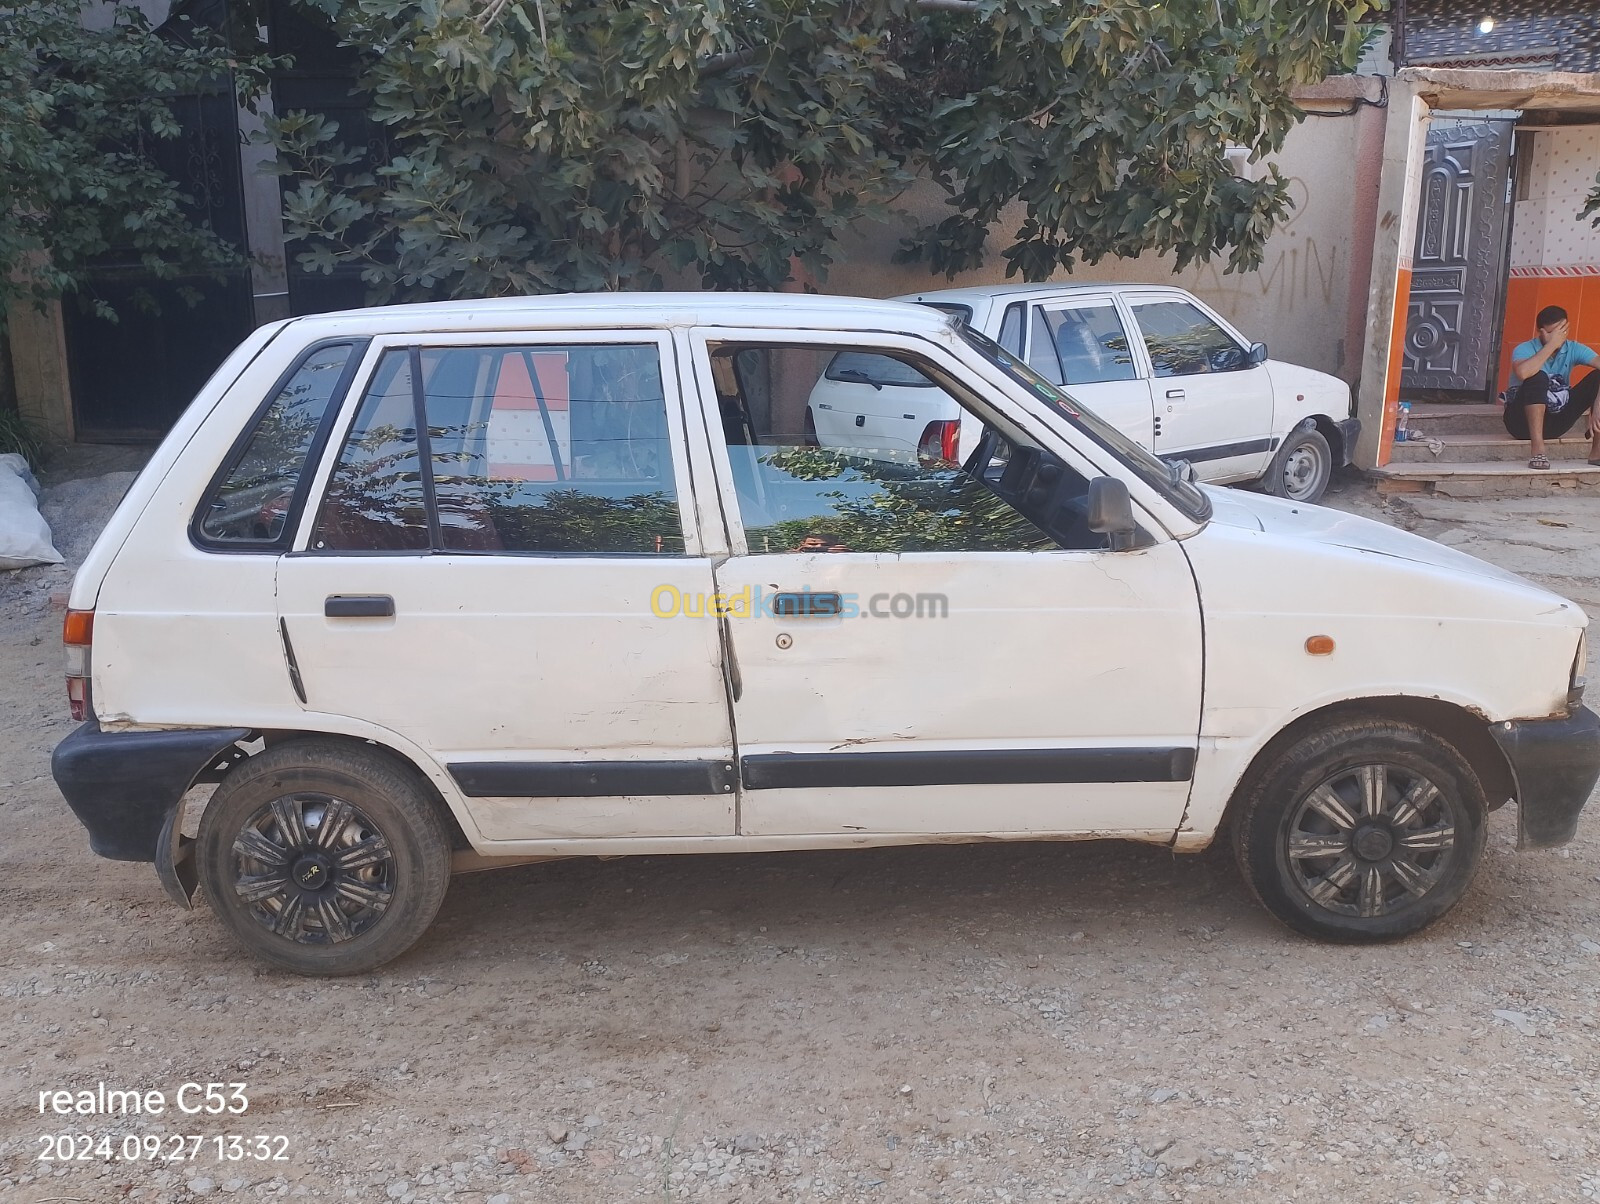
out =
column 632, row 310
column 986, row 292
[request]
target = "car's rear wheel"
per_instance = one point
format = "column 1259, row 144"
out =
column 1302, row 468
column 323, row 858
column 1364, row 830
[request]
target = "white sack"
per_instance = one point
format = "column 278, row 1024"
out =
column 24, row 535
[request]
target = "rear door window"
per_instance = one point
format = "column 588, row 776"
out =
column 540, row 448
column 1080, row 344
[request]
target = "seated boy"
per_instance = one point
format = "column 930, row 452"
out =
column 1542, row 401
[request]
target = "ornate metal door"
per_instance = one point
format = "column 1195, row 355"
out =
column 1458, row 269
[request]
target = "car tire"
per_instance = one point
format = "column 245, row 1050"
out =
column 1302, row 468
column 324, row 858
column 1361, row 830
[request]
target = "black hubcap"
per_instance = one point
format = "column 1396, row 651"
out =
column 1370, row 840
column 313, row 869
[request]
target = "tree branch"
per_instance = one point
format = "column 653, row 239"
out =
column 721, row 64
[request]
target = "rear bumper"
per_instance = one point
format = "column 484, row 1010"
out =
column 1349, row 433
column 1556, row 763
column 123, row 785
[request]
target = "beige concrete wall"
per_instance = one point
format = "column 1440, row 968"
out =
column 1299, row 301
column 39, row 368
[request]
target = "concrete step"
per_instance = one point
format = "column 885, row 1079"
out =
column 1475, row 448
column 1436, row 418
column 1491, row 479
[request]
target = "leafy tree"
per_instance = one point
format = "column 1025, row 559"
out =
column 1592, row 204
column 79, row 110
column 536, row 145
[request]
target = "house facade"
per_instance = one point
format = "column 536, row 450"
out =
column 1436, row 195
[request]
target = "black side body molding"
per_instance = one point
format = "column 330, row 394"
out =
column 121, row 785
column 968, row 767
column 1555, row 763
column 590, row 779
column 1222, row 451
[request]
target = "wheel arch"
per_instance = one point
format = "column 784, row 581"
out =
column 458, row 837
column 1333, row 433
column 1463, row 729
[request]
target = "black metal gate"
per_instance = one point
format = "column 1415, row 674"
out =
column 1459, row 264
column 131, row 378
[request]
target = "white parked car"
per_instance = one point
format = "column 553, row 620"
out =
column 1155, row 362
column 438, row 586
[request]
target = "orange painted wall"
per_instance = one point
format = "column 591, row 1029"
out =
column 1397, row 346
column 1527, row 295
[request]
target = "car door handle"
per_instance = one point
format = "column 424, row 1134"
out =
column 358, row 606
column 807, row 604
column 1175, row 394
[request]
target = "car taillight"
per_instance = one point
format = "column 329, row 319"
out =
column 77, row 633
column 940, row 442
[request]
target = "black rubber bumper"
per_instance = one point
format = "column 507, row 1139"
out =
column 121, row 785
column 1349, row 433
column 1556, row 763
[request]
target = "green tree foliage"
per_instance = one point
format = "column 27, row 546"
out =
column 538, row 145
column 79, row 108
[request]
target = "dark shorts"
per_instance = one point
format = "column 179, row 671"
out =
column 1535, row 390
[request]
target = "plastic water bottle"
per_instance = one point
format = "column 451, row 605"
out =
column 1402, row 424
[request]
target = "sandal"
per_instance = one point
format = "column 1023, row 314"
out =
column 1540, row 462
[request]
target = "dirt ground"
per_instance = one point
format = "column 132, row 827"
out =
column 1022, row 1022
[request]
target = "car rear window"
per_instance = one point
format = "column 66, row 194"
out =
column 868, row 368
column 250, row 502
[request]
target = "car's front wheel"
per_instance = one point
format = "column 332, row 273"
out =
column 1302, row 468
column 1363, row 830
column 323, row 858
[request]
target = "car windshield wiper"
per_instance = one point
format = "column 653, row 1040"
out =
column 1181, row 472
column 860, row 377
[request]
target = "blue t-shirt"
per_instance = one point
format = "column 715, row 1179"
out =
column 1558, row 367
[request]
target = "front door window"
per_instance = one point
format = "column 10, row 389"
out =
column 875, row 496
column 1182, row 341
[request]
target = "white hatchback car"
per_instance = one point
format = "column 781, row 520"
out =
column 1154, row 362
column 458, row 585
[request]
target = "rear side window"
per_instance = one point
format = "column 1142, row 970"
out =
column 1011, row 329
column 523, row 449
column 249, row 503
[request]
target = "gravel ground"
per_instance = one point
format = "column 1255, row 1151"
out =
column 1000, row 1022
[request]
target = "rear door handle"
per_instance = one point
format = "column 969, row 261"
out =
column 1175, row 394
column 358, row 606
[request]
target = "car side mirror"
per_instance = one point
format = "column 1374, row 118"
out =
column 1258, row 354
column 1110, row 512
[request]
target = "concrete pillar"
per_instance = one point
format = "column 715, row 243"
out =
column 1394, row 236
column 39, row 368
column 263, row 217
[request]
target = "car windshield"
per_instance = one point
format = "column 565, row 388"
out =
column 866, row 368
column 1167, row 479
